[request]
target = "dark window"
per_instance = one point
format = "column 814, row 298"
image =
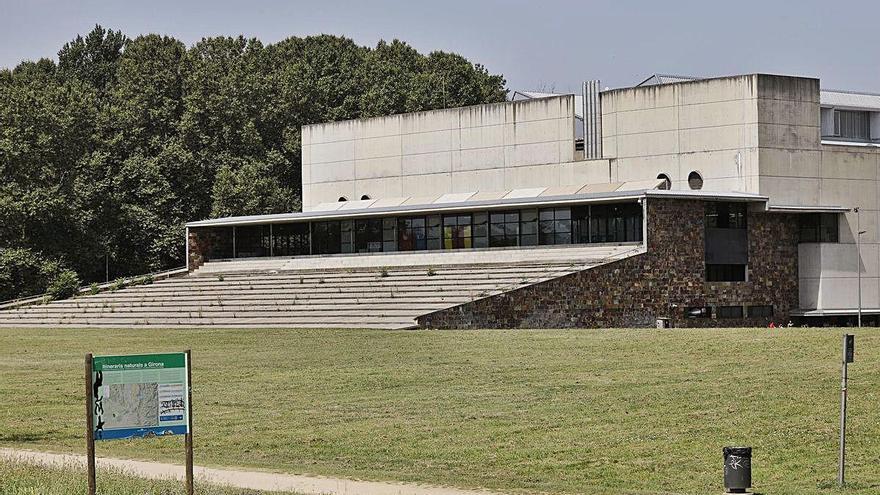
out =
column 412, row 234
column 554, row 226
column 726, row 215
column 457, row 232
column 251, row 241
column 368, row 235
column 695, row 181
column 730, row 311
column 290, row 239
column 818, row 227
column 698, row 312
column 528, row 228
column 667, row 182
column 342, row 198
column 616, row 223
column 725, row 273
column 365, row 197
column 326, row 237
column 503, row 229
column 435, row 232
column 480, row 229
column 389, row 234
column 760, row 311
column 346, row 237
column 852, row 124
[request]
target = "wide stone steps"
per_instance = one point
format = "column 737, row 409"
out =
column 345, row 292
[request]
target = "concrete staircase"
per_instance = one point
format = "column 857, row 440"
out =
column 354, row 291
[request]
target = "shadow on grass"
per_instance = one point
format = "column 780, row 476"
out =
column 18, row 437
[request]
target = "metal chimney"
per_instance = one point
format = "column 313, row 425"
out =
column 592, row 120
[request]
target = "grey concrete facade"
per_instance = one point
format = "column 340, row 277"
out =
column 757, row 133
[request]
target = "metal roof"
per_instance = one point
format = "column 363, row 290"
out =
column 849, row 99
column 655, row 79
column 597, row 194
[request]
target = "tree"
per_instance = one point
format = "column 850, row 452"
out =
column 92, row 59
column 110, row 151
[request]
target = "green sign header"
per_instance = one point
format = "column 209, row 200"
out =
column 139, row 362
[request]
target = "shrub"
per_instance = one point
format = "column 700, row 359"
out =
column 65, row 285
column 25, row 273
column 147, row 279
column 94, row 289
column 383, row 272
column 118, row 284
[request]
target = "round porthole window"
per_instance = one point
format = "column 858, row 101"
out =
column 342, row 198
column 695, row 181
column 667, row 182
column 365, row 197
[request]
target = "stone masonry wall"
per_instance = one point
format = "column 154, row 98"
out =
column 662, row 282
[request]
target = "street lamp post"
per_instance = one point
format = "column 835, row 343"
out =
column 859, row 233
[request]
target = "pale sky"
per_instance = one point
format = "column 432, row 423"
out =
column 550, row 45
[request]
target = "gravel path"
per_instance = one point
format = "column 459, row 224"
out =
column 255, row 480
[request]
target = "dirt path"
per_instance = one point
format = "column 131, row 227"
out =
column 254, row 480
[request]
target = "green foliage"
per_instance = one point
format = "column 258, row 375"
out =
column 94, row 289
column 24, row 273
column 118, row 284
column 64, row 285
column 105, row 155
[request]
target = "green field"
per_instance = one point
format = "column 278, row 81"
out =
column 26, row 479
column 592, row 411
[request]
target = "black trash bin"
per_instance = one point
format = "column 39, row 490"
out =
column 737, row 469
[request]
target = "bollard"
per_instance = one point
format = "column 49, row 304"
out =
column 737, row 469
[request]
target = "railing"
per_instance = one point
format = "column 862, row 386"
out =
column 87, row 289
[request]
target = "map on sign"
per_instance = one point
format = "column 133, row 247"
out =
column 140, row 395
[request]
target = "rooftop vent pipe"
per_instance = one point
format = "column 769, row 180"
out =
column 592, row 120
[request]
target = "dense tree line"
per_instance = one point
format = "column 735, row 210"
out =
column 110, row 150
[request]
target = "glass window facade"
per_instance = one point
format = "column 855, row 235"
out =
column 504, row 229
column 818, row 227
column 290, row 239
column 615, row 223
column 457, row 231
column 252, row 241
column 368, row 235
column 412, row 234
column 725, row 215
column 474, row 229
column 554, row 226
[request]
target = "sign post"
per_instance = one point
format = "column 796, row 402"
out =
column 189, row 436
column 90, row 426
column 138, row 396
column 849, row 341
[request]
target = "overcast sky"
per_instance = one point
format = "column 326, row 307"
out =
column 551, row 45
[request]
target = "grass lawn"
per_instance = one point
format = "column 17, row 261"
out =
column 18, row 478
column 591, row 411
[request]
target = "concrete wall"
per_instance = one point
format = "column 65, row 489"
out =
column 847, row 176
column 709, row 126
column 797, row 169
column 485, row 147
